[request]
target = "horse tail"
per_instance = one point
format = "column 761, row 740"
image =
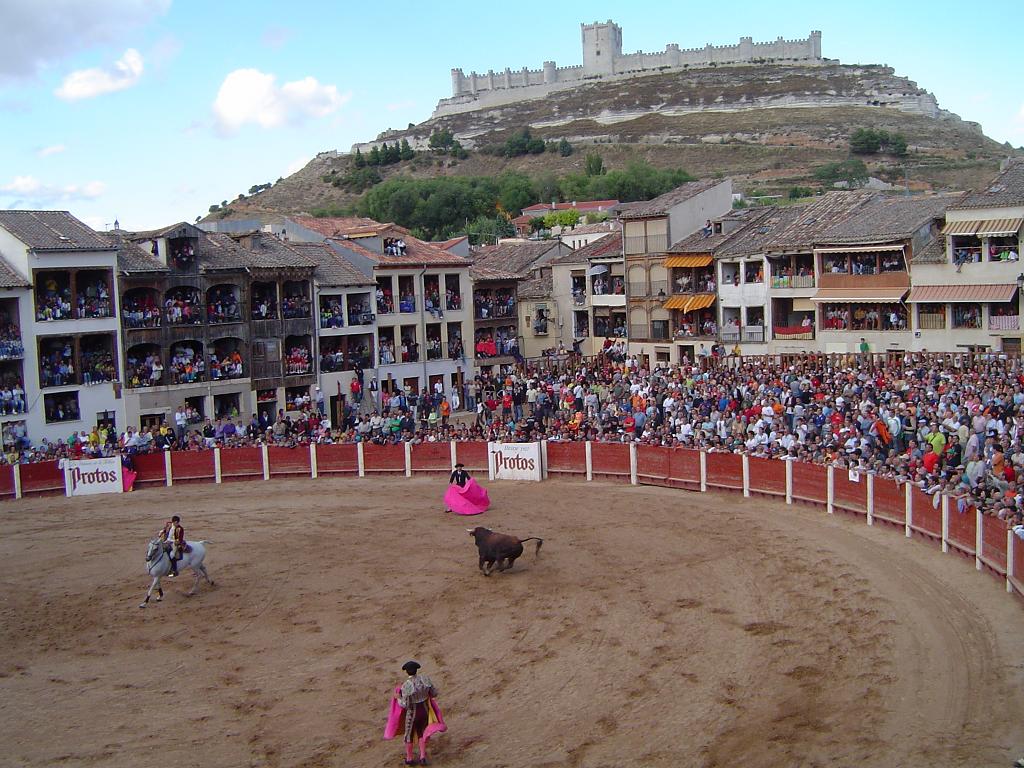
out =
column 540, row 543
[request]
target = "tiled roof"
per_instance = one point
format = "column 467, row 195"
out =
column 446, row 245
column 661, row 204
column 1006, row 189
column 753, row 239
column 699, row 243
column 132, row 257
column 10, row 277
column 581, row 205
column 815, row 218
column 606, row 247
column 886, row 218
column 265, row 251
column 332, row 269
column 349, row 226
column 933, row 253
column 484, row 272
column 52, row 231
column 520, row 258
column 540, row 287
column 590, row 229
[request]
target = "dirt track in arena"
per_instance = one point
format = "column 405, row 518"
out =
column 657, row 628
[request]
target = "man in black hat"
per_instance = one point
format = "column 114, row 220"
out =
column 459, row 476
column 414, row 697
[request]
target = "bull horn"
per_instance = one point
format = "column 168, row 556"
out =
column 470, row 530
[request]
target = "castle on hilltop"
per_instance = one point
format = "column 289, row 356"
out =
column 603, row 58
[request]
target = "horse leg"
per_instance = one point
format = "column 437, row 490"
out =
column 202, row 570
column 195, row 584
column 149, row 592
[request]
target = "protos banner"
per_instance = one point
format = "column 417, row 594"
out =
column 514, row 461
column 82, row 478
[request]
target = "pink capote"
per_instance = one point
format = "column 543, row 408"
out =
column 470, row 499
column 396, row 719
column 128, row 478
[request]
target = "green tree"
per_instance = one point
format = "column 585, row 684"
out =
column 865, row 141
column 441, row 139
column 564, row 148
column 537, row 224
column 594, row 165
column 570, row 217
column 374, row 158
column 515, row 192
column 795, row 193
column 406, row 152
column 358, row 160
column 852, row 172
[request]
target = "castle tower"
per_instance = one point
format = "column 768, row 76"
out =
column 816, row 44
column 602, row 45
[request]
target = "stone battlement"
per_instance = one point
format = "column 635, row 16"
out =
column 603, row 57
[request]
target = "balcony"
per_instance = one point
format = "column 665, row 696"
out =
column 793, row 281
column 753, row 334
column 1004, row 323
column 793, row 332
column 639, row 244
column 931, row 321
column 11, row 348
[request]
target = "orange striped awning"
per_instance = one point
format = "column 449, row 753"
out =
column 688, row 261
column 676, row 302
column 858, row 295
column 700, row 301
column 939, row 294
column 961, row 227
column 1000, row 227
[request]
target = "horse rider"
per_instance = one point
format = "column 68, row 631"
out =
column 173, row 536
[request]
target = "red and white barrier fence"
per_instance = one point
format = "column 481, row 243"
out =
column 970, row 534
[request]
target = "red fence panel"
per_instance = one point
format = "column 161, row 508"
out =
column 926, row 518
column 241, row 464
column 192, row 465
column 6, row 481
column 767, row 476
column 849, row 495
column 963, row 528
column 567, row 458
column 150, row 468
column 725, row 470
column 383, row 458
column 610, row 459
column 432, row 457
column 288, row 461
column 652, row 464
column 337, row 459
column 890, row 501
column 42, row 477
column 993, row 543
column 473, row 455
column 684, row 468
column 810, row 482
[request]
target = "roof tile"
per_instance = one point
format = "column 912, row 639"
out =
column 52, row 231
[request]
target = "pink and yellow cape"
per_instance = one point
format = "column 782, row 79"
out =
column 396, row 718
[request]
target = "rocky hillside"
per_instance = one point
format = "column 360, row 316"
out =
column 767, row 127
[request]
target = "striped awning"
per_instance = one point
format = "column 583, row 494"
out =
column 688, row 261
column 961, row 227
column 1000, row 227
column 676, row 302
column 700, row 301
column 858, row 295
column 939, row 294
column 859, row 248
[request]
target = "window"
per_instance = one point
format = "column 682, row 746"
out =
column 967, row 316
column 931, row 317
column 61, row 407
column 659, row 329
column 227, row 405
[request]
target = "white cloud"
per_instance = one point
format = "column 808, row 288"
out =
column 89, row 83
column 250, row 96
column 53, row 149
column 28, row 189
column 52, row 31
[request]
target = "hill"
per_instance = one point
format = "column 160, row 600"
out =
column 767, row 126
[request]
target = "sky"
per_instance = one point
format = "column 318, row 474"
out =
column 149, row 111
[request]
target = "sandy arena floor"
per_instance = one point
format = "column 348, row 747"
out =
column 657, row 628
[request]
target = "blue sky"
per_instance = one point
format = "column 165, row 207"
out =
column 148, row 111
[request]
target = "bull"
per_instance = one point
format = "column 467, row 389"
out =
column 499, row 548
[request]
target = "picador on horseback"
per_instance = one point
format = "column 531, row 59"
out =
column 173, row 536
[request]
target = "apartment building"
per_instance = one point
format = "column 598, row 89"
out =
column 60, row 309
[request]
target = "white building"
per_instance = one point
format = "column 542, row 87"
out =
column 68, row 322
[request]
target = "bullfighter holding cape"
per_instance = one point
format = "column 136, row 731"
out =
column 414, row 713
column 465, row 496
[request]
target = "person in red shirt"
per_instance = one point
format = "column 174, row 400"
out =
column 629, row 424
column 930, row 459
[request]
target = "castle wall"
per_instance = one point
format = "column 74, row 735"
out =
column 603, row 57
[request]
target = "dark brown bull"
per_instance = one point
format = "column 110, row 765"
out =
column 499, row 548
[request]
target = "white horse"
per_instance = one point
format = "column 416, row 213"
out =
column 158, row 565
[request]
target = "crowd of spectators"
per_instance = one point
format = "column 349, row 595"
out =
column 264, row 302
column 183, row 307
column 11, row 346
column 94, row 300
column 56, row 366
column 226, row 366
column 143, row 369
column 12, row 395
column 53, row 302
column 500, row 303
column 97, row 365
column 332, row 313
column 187, row 365
column 385, row 301
column 298, row 361
column 223, row 306
column 949, row 424
column 296, row 305
column 140, row 312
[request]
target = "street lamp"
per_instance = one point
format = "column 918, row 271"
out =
column 661, row 291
